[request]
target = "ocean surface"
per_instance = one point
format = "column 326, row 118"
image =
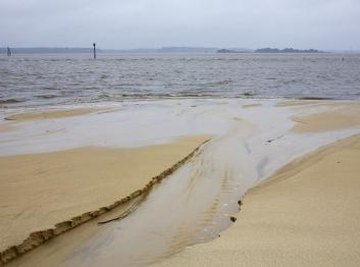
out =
column 37, row 80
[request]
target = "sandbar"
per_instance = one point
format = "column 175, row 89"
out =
column 39, row 190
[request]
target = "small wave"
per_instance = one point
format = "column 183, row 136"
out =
column 222, row 82
column 248, row 93
column 103, row 97
column 47, row 96
column 12, row 100
column 194, row 94
column 314, row 98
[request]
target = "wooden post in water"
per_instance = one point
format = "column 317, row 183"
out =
column 94, row 45
column 8, row 52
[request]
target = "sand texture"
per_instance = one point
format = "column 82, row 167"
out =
column 40, row 190
column 306, row 215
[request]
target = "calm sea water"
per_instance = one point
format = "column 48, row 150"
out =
column 27, row 80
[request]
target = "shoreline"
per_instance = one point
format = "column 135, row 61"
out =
column 38, row 108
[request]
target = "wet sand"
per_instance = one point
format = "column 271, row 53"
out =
column 50, row 114
column 40, row 190
column 296, row 103
column 305, row 215
column 6, row 128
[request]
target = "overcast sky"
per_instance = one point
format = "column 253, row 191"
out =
column 322, row 24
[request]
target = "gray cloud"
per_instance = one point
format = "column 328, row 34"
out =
column 324, row 24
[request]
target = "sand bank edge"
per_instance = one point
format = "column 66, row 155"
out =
column 37, row 238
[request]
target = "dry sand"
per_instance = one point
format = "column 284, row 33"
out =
column 306, row 215
column 341, row 117
column 40, row 190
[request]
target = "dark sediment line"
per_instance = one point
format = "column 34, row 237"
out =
column 35, row 239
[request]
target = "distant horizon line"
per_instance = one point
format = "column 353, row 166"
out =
column 166, row 49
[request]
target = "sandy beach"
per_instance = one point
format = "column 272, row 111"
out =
column 298, row 166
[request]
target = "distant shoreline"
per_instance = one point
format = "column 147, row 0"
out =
column 205, row 50
column 273, row 51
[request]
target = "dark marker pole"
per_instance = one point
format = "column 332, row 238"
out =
column 8, row 52
column 94, row 45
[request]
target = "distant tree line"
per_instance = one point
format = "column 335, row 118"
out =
column 286, row 50
column 269, row 50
